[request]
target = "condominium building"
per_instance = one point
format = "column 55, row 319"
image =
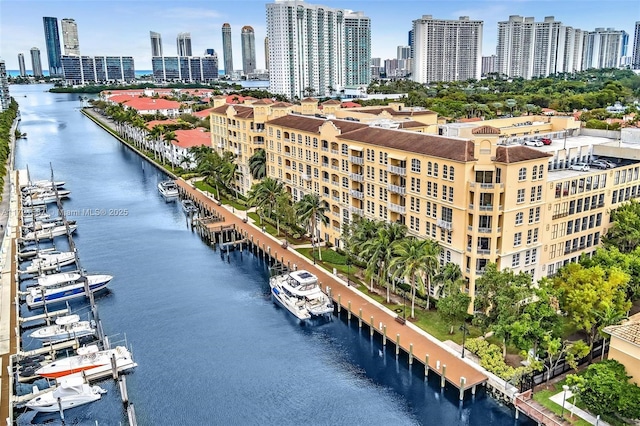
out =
column 5, row 96
column 635, row 54
column 192, row 69
column 70, row 37
column 79, row 70
column 266, row 53
column 306, row 48
column 227, row 49
column 357, row 39
column 248, row 43
column 156, row 44
column 36, row 62
column 603, row 48
column 52, row 40
column 446, row 50
column 183, row 44
column 489, row 64
column 468, row 186
column 21, row 65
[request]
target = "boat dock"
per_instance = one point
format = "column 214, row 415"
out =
column 419, row 346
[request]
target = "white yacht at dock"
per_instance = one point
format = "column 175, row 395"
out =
column 300, row 293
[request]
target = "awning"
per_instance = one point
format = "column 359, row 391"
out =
column 398, row 157
column 356, row 148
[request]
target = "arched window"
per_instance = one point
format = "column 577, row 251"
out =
column 445, row 172
column 522, row 174
column 429, row 168
column 451, row 170
column 435, row 169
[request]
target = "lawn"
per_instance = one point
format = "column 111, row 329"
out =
column 542, row 397
column 332, row 259
column 271, row 230
column 203, row 186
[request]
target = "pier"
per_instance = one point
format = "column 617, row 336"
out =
column 417, row 344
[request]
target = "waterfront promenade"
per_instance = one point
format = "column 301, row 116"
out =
column 441, row 358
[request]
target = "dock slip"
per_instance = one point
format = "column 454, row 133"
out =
column 426, row 349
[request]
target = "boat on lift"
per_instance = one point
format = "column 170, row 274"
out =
column 44, row 198
column 300, row 293
column 49, row 261
column 91, row 360
column 49, row 233
column 66, row 327
column 71, row 392
column 64, row 286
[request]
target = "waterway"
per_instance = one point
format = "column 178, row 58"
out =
column 212, row 347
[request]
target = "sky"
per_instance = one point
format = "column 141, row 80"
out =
column 121, row 27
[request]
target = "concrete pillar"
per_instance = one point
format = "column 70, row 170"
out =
column 443, row 380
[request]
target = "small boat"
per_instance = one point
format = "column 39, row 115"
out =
column 66, row 328
column 40, row 225
column 168, row 189
column 189, row 207
column 64, row 286
column 49, row 261
column 44, row 198
column 300, row 294
column 90, row 360
column 71, row 392
column 49, row 233
column 43, row 183
column 31, row 251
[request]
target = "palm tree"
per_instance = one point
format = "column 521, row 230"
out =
column 258, row 164
column 168, row 138
column 511, row 104
column 410, row 263
column 312, row 209
column 154, row 135
column 379, row 250
column 451, row 273
column 264, row 195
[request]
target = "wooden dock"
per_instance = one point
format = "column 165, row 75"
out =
column 420, row 346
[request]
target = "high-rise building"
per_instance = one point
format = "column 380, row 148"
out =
column 21, row 65
column 99, row 69
column 156, row 44
column 248, row 41
column 227, row 49
column 376, row 67
column 488, row 64
column 209, row 52
column 410, row 41
column 183, row 42
column 404, row 52
column 52, row 40
column 193, row 69
column 266, row 53
column 5, row 96
column 514, row 49
column 70, row 37
column 603, row 48
column 306, row 48
column 447, row 50
column 574, row 39
column 635, row 55
column 357, row 39
column 36, row 62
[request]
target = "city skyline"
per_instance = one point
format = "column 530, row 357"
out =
column 108, row 28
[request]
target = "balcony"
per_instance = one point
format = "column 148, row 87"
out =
column 356, row 160
column 334, row 198
column 335, row 182
column 357, row 177
column 402, row 171
column 444, row 224
column 397, row 208
column 336, row 214
column 483, row 251
column 559, row 215
column 486, row 207
column 335, row 168
column 335, row 152
column 357, row 194
column 355, row 210
column 485, row 230
column 396, row 189
column 237, row 151
column 305, row 176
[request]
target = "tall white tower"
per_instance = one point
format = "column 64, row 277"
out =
column 70, row 37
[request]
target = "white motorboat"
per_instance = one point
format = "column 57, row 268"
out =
column 48, row 233
column 31, row 251
column 49, row 261
column 168, row 189
column 300, row 294
column 39, row 225
column 189, row 207
column 43, row 198
column 43, row 183
column 66, row 328
column 64, row 286
column 90, row 360
column 71, row 392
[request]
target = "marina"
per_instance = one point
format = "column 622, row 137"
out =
column 351, row 376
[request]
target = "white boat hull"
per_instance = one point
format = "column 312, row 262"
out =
column 91, row 363
column 292, row 304
column 70, row 291
column 57, row 333
column 72, row 392
column 49, row 262
column 48, row 234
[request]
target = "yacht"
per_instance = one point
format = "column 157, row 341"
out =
column 189, row 207
column 64, row 286
column 44, row 198
column 91, row 360
column 71, row 392
column 49, row 261
column 168, row 189
column 49, row 233
column 300, row 293
column 66, row 328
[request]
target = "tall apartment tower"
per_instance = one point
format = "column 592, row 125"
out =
column 514, row 50
column 5, row 97
column 548, row 47
column 156, row 44
column 36, row 62
column 183, row 42
column 410, row 41
column 248, row 41
column 635, row 54
column 603, row 48
column 306, row 48
column 357, row 37
column 488, row 64
column 21, row 65
column 52, row 40
column 574, row 39
column 70, row 37
column 447, row 50
column 266, row 53
column 227, row 49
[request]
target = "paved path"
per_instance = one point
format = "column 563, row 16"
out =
column 441, row 357
column 572, row 409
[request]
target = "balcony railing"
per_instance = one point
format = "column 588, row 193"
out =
column 335, row 182
column 444, row 224
column 357, row 177
column 396, row 189
column 335, row 152
column 486, row 207
column 357, row 194
column 335, row 198
column 305, row 176
column 357, row 211
column 485, row 230
column 356, row 160
column 396, row 208
column 483, row 251
column 335, row 167
column 402, row 171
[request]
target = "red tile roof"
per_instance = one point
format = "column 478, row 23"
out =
column 204, row 113
column 469, row 120
column 193, row 137
column 153, row 123
column 518, row 153
column 238, row 99
column 147, row 104
column 350, row 104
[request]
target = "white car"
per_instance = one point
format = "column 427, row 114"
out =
column 534, row 142
column 583, row 167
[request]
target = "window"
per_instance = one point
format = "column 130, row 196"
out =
column 444, row 192
column 451, row 173
column 435, row 169
column 540, row 172
column 415, row 165
column 515, row 260
column 414, row 223
column 415, row 184
column 517, row 239
column 520, row 197
column 522, row 174
column 531, row 216
column 429, row 169
column 345, row 149
column 533, row 194
column 451, row 194
column 539, row 194
column 519, row 217
column 534, row 173
column 445, row 172
column 447, row 214
column 415, row 204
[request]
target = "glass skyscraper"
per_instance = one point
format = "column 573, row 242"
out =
column 248, row 50
column 52, row 40
column 227, row 49
column 36, row 62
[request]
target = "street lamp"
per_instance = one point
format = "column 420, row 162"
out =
column 564, row 397
column 464, row 330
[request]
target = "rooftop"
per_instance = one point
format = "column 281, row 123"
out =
column 193, row 137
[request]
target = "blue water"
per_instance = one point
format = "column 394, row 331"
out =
column 212, row 347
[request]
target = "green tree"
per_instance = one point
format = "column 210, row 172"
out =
column 378, row 250
column 258, row 164
column 625, row 231
column 264, row 196
column 610, row 316
column 311, row 209
column 168, row 138
column 628, row 262
column 454, row 304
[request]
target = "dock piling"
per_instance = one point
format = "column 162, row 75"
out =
column 372, row 327
column 426, row 365
column 339, row 303
column 360, row 318
column 384, row 335
column 114, row 367
column 443, row 377
column 410, row 353
column 349, row 310
column 397, row 344
column 462, row 383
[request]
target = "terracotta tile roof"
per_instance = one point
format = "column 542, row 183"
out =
column 419, row 143
column 238, row 99
column 204, row 113
column 243, row 111
column 311, row 124
column 222, row 109
column 629, row 331
column 153, row 123
column 391, row 111
column 518, row 153
column 410, row 123
column 193, row 137
column 485, row 130
column 265, row 101
column 121, row 98
column 281, row 105
column 469, row 120
column 146, row 104
column 309, row 100
column 350, row 104
column 331, row 102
